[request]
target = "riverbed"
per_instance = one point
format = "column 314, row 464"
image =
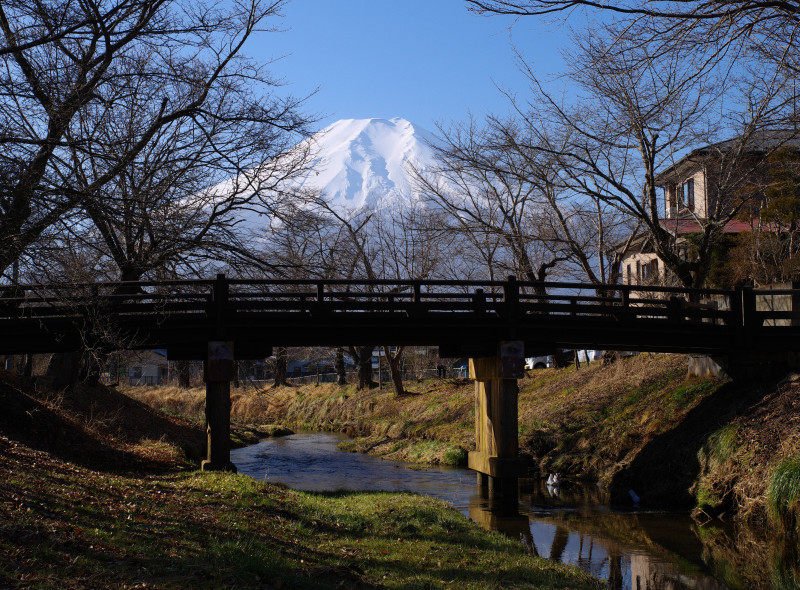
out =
column 574, row 524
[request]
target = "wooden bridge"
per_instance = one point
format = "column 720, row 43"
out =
column 223, row 319
column 464, row 318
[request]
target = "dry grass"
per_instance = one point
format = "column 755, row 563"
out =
column 171, row 400
column 248, row 406
column 767, row 435
column 435, row 424
column 70, row 423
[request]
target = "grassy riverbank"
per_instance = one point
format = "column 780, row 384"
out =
column 639, row 424
column 91, row 496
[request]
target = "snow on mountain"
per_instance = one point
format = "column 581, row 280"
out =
column 365, row 162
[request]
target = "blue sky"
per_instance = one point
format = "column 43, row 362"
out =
column 424, row 60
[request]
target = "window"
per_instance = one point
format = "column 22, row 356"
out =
column 645, row 271
column 681, row 202
column 629, row 274
column 690, row 194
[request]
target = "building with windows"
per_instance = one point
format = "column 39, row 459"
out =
column 705, row 184
column 147, row 367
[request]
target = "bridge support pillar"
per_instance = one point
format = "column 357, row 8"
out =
column 218, row 376
column 496, row 457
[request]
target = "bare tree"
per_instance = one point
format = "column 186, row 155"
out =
column 302, row 243
column 733, row 31
column 281, row 366
column 509, row 200
column 742, row 14
column 637, row 114
column 412, row 244
column 331, row 242
column 195, row 192
column 70, row 70
column 490, row 197
column 339, row 366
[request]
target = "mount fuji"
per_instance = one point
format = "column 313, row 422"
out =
column 360, row 163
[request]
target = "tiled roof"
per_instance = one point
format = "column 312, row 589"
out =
column 760, row 142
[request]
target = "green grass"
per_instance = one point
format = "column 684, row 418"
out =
column 720, row 446
column 783, row 496
column 455, row 456
column 65, row 526
column 707, row 498
column 685, row 394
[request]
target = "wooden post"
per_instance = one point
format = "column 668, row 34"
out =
column 496, row 428
column 219, row 372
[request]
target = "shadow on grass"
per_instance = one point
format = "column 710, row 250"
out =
column 91, row 426
column 665, row 469
column 92, row 530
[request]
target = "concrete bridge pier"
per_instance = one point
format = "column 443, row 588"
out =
column 496, row 458
column 218, row 376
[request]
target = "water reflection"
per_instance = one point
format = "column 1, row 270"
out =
column 632, row 550
column 498, row 517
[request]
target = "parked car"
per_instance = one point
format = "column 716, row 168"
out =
column 544, row 362
column 538, row 362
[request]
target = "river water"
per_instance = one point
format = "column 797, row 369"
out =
column 632, row 550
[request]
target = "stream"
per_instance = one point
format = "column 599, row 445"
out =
column 632, row 550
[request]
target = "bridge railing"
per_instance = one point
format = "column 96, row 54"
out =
column 508, row 299
column 40, row 301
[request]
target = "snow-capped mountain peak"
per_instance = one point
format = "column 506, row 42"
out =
column 365, row 162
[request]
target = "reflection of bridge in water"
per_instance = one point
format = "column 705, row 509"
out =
column 630, row 550
column 225, row 319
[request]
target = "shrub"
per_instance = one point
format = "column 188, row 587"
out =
column 455, row 456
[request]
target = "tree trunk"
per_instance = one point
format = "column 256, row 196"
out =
column 184, row 374
column 27, row 366
column 363, row 357
column 559, row 360
column 90, row 365
column 394, row 368
column 63, row 370
column 338, row 364
column 20, row 361
column 281, row 365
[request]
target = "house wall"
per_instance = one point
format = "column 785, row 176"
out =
column 150, row 370
column 642, row 269
column 147, row 368
column 675, row 206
